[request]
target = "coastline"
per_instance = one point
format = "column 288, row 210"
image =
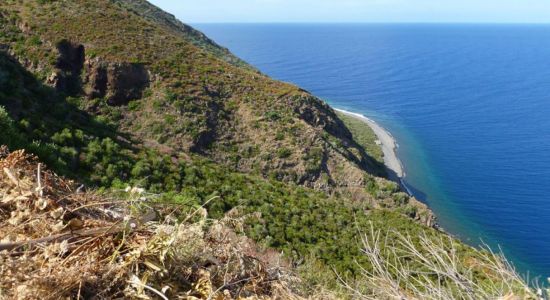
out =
column 394, row 166
column 388, row 145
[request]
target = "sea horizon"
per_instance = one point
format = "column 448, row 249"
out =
column 481, row 23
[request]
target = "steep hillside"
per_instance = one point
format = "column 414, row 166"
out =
column 158, row 16
column 62, row 242
column 117, row 93
column 148, row 76
column 87, row 147
column 297, row 220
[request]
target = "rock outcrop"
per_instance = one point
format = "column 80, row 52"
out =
column 119, row 83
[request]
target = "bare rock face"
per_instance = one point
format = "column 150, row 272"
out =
column 95, row 79
column 119, row 83
column 125, row 82
column 319, row 114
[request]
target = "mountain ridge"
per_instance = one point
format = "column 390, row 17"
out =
column 199, row 39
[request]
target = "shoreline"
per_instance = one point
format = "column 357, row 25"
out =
column 387, row 143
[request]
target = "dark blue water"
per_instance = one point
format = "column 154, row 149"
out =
column 468, row 104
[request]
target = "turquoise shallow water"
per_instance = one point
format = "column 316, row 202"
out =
column 468, row 104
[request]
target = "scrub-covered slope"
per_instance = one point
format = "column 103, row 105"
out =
column 183, row 123
column 116, row 93
column 174, row 89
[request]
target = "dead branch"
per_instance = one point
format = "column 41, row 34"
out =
column 78, row 234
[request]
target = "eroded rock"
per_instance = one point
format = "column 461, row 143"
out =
column 125, row 82
column 119, row 83
column 319, row 114
column 96, row 79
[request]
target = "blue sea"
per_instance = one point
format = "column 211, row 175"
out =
column 468, row 104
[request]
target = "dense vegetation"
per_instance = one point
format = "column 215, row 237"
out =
column 298, row 220
column 194, row 100
column 205, row 129
column 364, row 136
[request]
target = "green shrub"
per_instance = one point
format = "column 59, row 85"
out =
column 171, row 96
column 283, row 152
column 35, row 40
column 272, row 115
column 279, row 136
column 9, row 136
column 134, row 105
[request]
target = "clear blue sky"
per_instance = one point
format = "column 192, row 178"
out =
column 490, row 11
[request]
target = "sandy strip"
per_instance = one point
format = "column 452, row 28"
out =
column 387, row 143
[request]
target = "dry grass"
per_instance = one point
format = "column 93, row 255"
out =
column 60, row 242
column 431, row 269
